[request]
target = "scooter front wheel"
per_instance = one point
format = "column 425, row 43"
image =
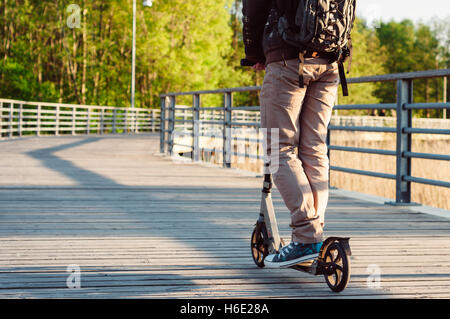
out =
column 258, row 245
column 337, row 274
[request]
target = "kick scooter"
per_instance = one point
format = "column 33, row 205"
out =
column 333, row 261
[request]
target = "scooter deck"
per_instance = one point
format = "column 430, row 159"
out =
column 307, row 266
column 307, row 263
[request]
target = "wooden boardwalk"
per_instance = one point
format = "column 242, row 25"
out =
column 142, row 226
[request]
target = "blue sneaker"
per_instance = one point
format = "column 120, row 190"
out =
column 293, row 254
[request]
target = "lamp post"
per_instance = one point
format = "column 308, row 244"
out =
column 146, row 3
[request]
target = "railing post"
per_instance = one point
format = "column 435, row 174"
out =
column 57, row 121
column 162, row 126
column 158, row 117
column 1, row 120
column 88, row 122
column 444, row 98
column 171, row 123
column 11, row 119
column 20, row 119
column 126, row 121
column 226, row 149
column 404, row 120
column 39, row 120
column 102, row 115
column 196, row 128
column 153, row 123
column 114, row 121
column 74, row 120
column 136, row 121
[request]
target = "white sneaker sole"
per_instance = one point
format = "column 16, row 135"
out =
column 290, row 263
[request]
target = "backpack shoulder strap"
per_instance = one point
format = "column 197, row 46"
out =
column 343, row 78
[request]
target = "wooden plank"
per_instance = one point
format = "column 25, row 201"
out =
column 141, row 225
column 189, row 283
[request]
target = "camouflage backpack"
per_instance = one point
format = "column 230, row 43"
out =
column 318, row 26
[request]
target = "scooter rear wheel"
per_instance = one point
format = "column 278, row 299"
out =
column 337, row 275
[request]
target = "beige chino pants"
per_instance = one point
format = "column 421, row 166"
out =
column 301, row 116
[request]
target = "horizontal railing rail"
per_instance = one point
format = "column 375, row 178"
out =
column 224, row 120
column 19, row 118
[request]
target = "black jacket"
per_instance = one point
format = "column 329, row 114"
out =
column 261, row 39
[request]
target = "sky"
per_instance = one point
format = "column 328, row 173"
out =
column 373, row 10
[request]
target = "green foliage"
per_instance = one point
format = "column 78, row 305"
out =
column 21, row 82
column 181, row 46
column 410, row 48
column 368, row 59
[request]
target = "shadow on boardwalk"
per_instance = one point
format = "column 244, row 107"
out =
column 140, row 225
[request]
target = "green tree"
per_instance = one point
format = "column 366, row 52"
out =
column 177, row 49
column 409, row 48
column 368, row 59
column 181, row 46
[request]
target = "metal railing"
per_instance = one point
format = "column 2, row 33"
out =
column 403, row 130
column 19, row 118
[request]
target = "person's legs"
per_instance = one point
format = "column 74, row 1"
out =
column 281, row 103
column 314, row 119
column 302, row 116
